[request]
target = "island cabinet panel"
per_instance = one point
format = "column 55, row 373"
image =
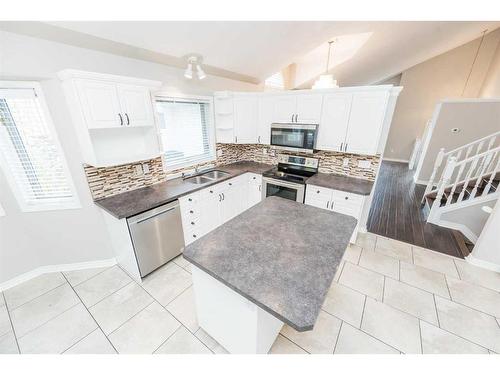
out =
column 219, row 310
column 336, row 200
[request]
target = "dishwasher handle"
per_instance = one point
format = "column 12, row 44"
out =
column 153, row 213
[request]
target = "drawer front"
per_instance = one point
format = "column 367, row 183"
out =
column 343, row 196
column 191, row 223
column 191, row 236
column 190, row 213
column 318, row 192
column 254, row 179
column 317, row 202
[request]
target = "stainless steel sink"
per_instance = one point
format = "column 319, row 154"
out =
column 198, row 180
column 215, row 175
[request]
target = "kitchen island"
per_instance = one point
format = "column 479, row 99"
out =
column 272, row 264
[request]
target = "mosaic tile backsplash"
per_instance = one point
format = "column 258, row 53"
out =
column 107, row 181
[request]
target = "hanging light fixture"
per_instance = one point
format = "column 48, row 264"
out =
column 194, row 60
column 326, row 81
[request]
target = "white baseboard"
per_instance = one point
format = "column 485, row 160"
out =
column 55, row 268
column 482, row 263
column 396, row 160
column 460, row 227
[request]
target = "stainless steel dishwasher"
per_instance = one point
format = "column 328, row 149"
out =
column 157, row 236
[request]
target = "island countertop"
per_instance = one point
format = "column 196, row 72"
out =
column 280, row 254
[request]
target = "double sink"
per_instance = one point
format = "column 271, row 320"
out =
column 206, row 177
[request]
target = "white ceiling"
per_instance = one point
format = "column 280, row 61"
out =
column 258, row 49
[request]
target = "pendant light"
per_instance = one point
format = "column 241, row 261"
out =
column 326, row 81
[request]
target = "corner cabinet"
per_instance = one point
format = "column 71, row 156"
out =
column 351, row 119
column 113, row 117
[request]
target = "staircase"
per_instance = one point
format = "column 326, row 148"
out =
column 469, row 176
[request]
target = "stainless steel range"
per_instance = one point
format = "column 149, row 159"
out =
column 288, row 179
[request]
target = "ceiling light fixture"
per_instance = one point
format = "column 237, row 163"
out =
column 194, row 60
column 326, row 81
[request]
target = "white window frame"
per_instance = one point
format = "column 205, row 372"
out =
column 74, row 203
column 2, row 211
column 211, row 128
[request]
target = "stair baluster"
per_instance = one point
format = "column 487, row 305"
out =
column 437, row 164
column 443, row 183
column 454, row 187
column 494, row 172
column 485, row 162
column 468, row 176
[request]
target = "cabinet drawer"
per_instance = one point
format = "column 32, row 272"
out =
column 318, row 191
column 191, row 223
column 317, row 202
column 190, row 213
column 342, row 196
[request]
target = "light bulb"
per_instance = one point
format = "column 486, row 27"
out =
column 200, row 72
column 188, row 73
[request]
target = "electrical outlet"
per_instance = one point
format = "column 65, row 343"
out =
column 345, row 162
column 145, row 168
column 364, row 163
column 138, row 170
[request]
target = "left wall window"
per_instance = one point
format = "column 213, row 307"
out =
column 30, row 153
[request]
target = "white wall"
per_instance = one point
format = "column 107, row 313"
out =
column 476, row 118
column 491, row 86
column 487, row 248
column 31, row 240
column 424, row 85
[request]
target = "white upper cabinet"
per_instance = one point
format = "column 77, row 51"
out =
column 246, row 117
column 100, row 104
column 266, row 116
column 368, row 111
column 136, row 105
column 351, row 119
column 113, row 117
column 334, row 121
column 308, row 108
column 284, row 108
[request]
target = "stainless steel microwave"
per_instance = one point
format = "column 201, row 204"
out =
column 294, row 137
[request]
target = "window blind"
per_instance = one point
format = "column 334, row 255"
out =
column 30, row 152
column 185, row 131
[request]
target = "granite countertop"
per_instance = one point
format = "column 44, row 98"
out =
column 140, row 200
column 279, row 254
column 340, row 182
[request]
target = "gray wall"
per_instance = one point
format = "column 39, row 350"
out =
column 30, row 240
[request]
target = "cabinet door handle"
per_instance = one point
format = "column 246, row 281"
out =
column 260, row 187
column 327, row 204
column 235, row 139
column 341, row 145
column 345, row 149
column 296, row 118
column 220, row 197
column 121, row 119
column 292, row 117
column 258, row 139
column 223, row 197
column 128, row 120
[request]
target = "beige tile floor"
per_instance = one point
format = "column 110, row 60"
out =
column 387, row 297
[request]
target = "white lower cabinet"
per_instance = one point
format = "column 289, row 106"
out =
column 254, row 189
column 205, row 210
column 337, row 201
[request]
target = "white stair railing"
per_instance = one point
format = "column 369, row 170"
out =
column 460, row 153
column 481, row 168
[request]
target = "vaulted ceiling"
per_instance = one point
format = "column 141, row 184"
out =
column 365, row 52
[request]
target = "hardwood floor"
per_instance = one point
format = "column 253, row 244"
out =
column 396, row 212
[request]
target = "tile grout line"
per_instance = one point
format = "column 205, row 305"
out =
column 164, row 341
column 90, row 278
column 11, row 324
column 383, row 290
column 373, row 337
column 93, row 318
column 437, row 313
column 83, row 338
column 126, row 321
column 458, row 272
column 44, row 293
column 363, row 312
column 293, row 342
column 420, row 335
column 107, row 296
column 338, row 335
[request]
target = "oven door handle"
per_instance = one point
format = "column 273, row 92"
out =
column 281, row 183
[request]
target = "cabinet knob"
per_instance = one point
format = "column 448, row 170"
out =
column 194, row 235
column 230, row 184
column 192, row 223
column 346, row 198
column 189, row 199
column 317, row 191
column 211, row 191
column 254, row 177
column 190, row 211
